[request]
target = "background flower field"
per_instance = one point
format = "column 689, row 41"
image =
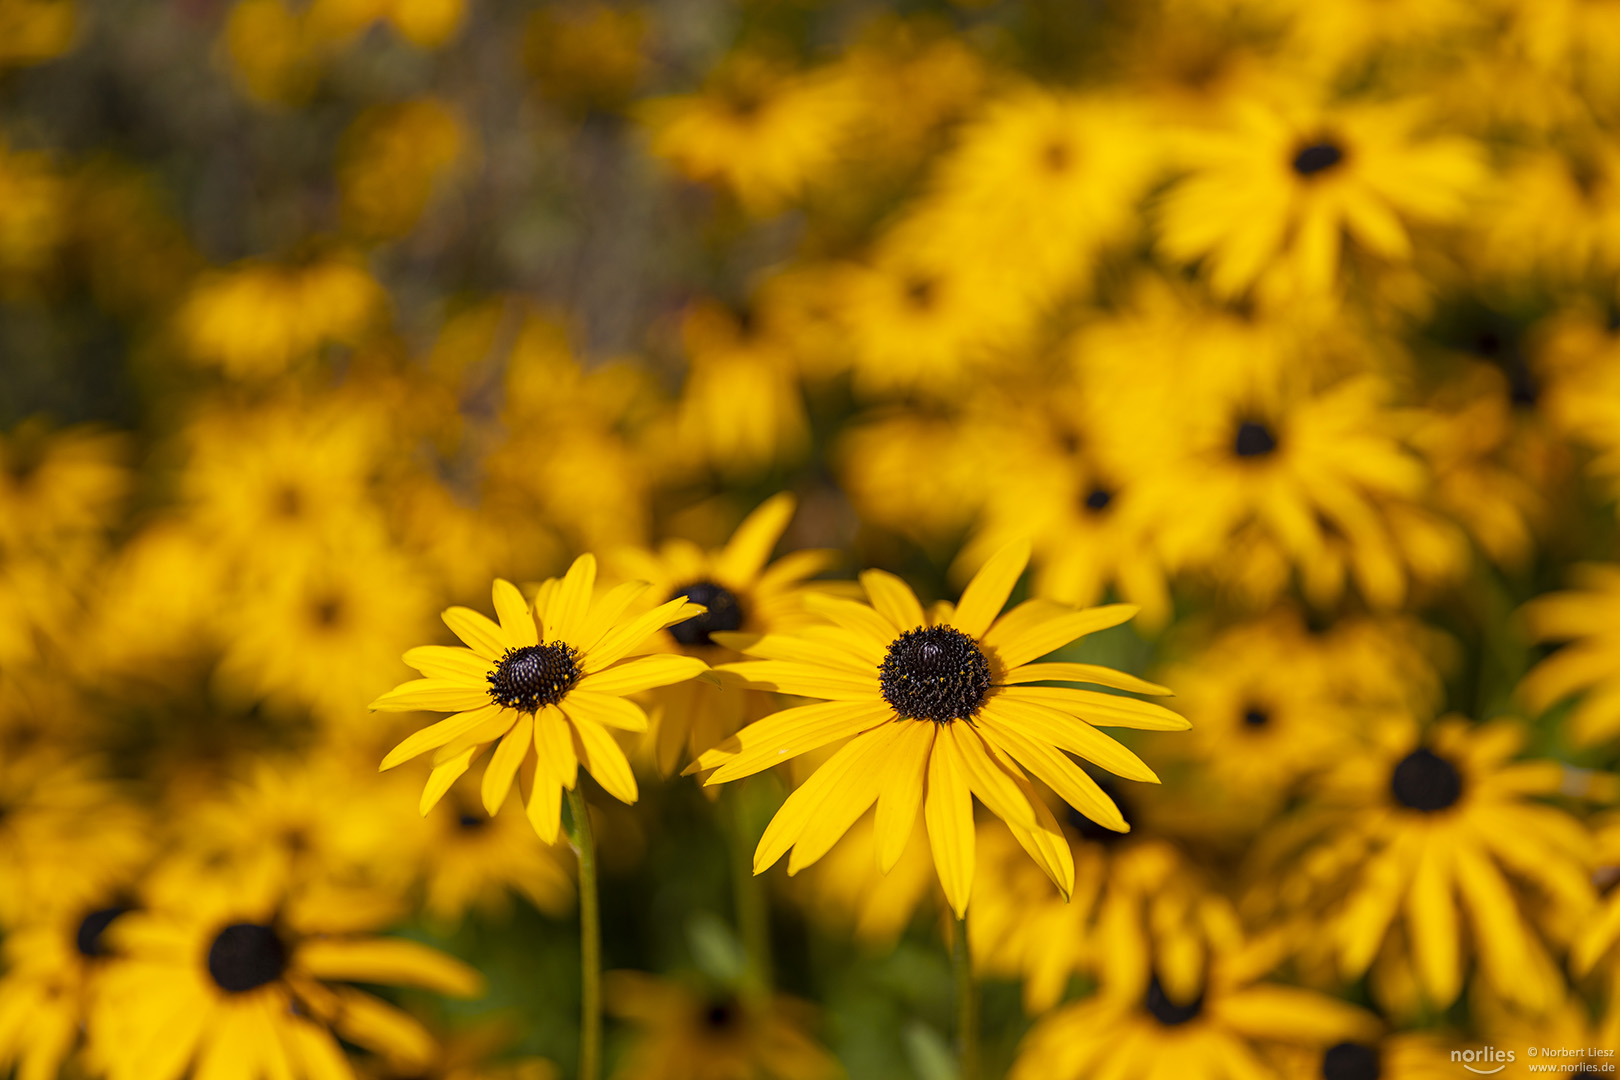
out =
column 1295, row 326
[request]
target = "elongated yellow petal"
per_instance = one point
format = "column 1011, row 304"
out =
column 503, row 764
column 1595, row 940
column 565, row 615
column 554, row 743
column 796, row 649
column 388, row 962
column 830, row 782
column 1046, row 843
column 447, row 662
column 902, row 792
column 517, row 621
column 987, row 593
column 787, row 734
column 1086, row 673
column 497, row 725
column 948, row 812
column 1289, row 1013
column 381, row 1028
column 1431, row 913
column 642, row 673
column 544, row 808
column 1103, row 710
column 606, row 761
column 857, row 618
column 750, row 546
column 602, row 615
column 439, row 734
column 616, row 712
column 894, row 600
column 806, row 680
column 1501, row 939
column 1056, row 770
column 442, row 776
column 318, row 1054
column 993, row 783
column 1068, row 733
column 1374, row 904
column 1031, row 642
column 856, row 795
column 432, row 695
column 482, row 635
column 632, row 636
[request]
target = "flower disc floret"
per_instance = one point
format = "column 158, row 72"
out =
column 246, row 956
column 534, row 676
column 935, row 673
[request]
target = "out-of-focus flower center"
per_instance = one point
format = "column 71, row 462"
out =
column 1426, row 781
column 1253, row 439
column 1318, row 158
column 534, row 676
column 1256, row 717
column 935, row 673
column 721, row 1015
column 92, row 927
column 1097, row 499
column 246, row 956
column 724, row 613
column 1167, row 1012
column 1350, row 1061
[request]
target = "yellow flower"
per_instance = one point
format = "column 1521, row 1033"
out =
column 1431, row 828
column 34, row 31
column 1557, row 209
column 1222, row 1032
column 471, row 859
column 741, row 593
column 548, row 682
column 1585, row 618
column 1414, row 1055
column 937, row 709
column 245, row 979
column 720, row 1035
column 392, row 162
column 51, row 483
column 1276, row 192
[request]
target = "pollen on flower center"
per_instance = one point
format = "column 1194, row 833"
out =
column 1350, row 1061
column 1167, row 1012
column 724, row 613
column 534, row 676
column 245, row 956
column 1425, row 781
column 935, row 673
column 1317, row 158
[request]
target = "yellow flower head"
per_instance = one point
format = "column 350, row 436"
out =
column 937, row 708
column 550, row 678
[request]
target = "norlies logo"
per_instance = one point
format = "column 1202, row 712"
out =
column 1479, row 1061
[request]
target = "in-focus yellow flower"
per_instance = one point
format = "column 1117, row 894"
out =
column 229, row 979
column 1221, row 1033
column 690, row 1035
column 937, row 708
column 740, row 593
column 548, row 683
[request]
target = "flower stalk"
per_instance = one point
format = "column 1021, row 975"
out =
column 590, row 938
column 967, row 1005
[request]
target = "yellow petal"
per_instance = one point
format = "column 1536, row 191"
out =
column 615, row 712
column 1086, row 673
column 388, row 962
column 554, row 744
column 628, row 637
column 1431, row 914
column 857, row 618
column 1057, row 771
column 1014, row 647
column 565, row 615
column 604, row 613
column 432, row 695
column 1104, row 710
column 445, row 662
column 482, row 636
column 544, row 808
column 381, row 1028
column 442, row 776
column 854, row 797
column 993, row 783
column 806, row 680
column 948, row 812
column 787, row 734
column 439, row 734
column 606, row 761
column 830, row 782
column 902, row 793
column 517, row 621
column 642, row 673
column 987, row 593
column 751, row 545
column 893, row 599
column 503, row 764
column 1292, row 1014
column 1069, row 733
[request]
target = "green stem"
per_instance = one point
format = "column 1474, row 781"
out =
column 753, row 912
column 967, row 1005
column 590, row 939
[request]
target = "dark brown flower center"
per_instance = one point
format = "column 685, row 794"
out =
column 534, row 676
column 934, row 673
column 1167, row 1012
column 88, row 939
column 1253, row 439
column 246, row 956
column 1351, row 1061
column 1426, row 781
column 724, row 613
column 1318, row 158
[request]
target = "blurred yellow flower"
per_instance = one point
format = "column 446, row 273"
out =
column 394, row 160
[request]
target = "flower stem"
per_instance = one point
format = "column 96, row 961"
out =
column 967, row 1005
column 590, row 939
column 753, row 913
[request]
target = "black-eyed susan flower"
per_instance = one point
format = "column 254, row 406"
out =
column 1428, row 846
column 475, row 860
column 740, row 592
column 696, row 1033
column 1413, row 1055
column 1222, row 1032
column 937, row 708
column 241, row 977
column 547, row 683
